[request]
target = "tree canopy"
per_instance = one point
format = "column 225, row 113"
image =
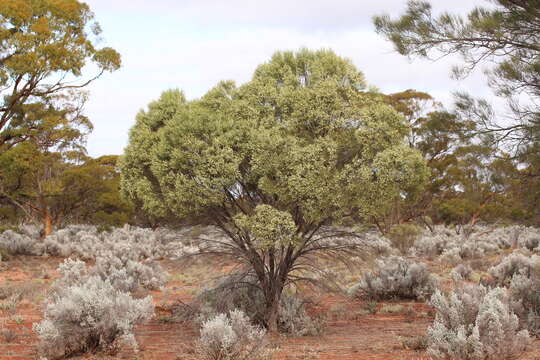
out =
column 44, row 46
column 272, row 162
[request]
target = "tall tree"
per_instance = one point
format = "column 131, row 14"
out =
column 44, row 45
column 273, row 163
column 506, row 34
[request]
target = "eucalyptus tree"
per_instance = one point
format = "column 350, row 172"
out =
column 273, row 164
column 44, row 46
column 504, row 35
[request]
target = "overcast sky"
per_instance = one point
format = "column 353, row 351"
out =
column 192, row 45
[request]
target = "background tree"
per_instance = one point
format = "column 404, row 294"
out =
column 470, row 180
column 273, row 163
column 506, row 35
column 94, row 193
column 44, row 45
column 49, row 188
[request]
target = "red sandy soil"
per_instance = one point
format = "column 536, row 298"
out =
column 350, row 332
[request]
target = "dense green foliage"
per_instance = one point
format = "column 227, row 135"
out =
column 298, row 147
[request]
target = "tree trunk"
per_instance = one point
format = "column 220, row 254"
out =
column 47, row 223
column 272, row 306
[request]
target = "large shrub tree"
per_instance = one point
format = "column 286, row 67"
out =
column 273, row 163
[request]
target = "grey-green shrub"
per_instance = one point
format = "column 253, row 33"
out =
column 525, row 300
column 475, row 323
column 87, row 243
column 513, row 264
column 128, row 274
column 396, row 278
column 521, row 274
column 461, row 272
column 87, row 313
column 454, row 247
column 241, row 292
column 293, row 319
column 231, row 336
column 15, row 243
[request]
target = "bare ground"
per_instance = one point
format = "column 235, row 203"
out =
column 352, row 332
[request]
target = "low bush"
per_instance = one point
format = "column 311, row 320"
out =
column 525, row 300
column 14, row 243
column 529, row 238
column 521, row 274
column 396, row 278
column 514, row 264
column 452, row 247
column 231, row 337
column 461, row 272
column 88, row 243
column 474, row 323
column 89, row 315
column 241, row 292
column 128, row 274
column 451, row 256
column 293, row 319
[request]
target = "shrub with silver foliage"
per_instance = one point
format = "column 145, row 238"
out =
column 126, row 272
column 521, row 274
column 396, row 278
column 241, row 292
column 231, row 337
column 293, row 319
column 514, row 264
column 17, row 244
column 525, row 300
column 461, row 272
column 87, row 243
column 474, row 323
column 87, row 313
column 452, row 247
column 530, row 239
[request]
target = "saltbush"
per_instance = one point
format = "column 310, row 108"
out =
column 396, row 278
column 87, row 314
column 525, row 300
column 475, row 323
column 127, row 276
column 127, row 273
column 293, row 318
column 461, row 272
column 521, row 274
column 241, row 292
column 231, row 337
column 453, row 247
column 513, row 264
column 14, row 243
